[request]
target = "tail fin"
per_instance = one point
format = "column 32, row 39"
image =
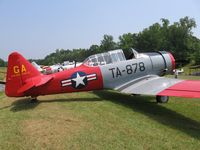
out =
column 18, row 71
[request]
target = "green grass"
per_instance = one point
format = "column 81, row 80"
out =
column 99, row 120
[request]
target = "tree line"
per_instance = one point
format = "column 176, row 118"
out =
column 176, row 38
column 3, row 63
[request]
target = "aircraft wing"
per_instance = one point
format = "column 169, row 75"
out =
column 155, row 85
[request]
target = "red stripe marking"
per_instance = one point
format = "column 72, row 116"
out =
column 189, row 88
column 172, row 61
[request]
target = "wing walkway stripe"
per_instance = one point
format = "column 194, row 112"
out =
column 134, row 82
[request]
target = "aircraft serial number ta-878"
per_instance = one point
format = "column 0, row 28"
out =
column 139, row 74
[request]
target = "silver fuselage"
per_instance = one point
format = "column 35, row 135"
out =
column 116, row 74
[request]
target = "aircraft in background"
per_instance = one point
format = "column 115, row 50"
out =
column 141, row 73
column 55, row 68
column 69, row 65
column 38, row 67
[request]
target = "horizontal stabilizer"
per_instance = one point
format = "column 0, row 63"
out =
column 35, row 82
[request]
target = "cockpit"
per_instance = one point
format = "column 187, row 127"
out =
column 105, row 58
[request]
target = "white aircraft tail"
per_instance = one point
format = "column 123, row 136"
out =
column 37, row 66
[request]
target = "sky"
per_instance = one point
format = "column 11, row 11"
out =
column 36, row 28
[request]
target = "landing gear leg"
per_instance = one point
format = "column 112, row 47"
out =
column 162, row 99
column 34, row 100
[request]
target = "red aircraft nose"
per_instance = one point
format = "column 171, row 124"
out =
column 172, row 61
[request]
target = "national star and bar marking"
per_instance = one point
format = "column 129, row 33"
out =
column 78, row 80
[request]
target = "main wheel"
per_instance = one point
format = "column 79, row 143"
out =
column 34, row 100
column 162, row 99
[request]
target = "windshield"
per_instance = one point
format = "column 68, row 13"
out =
column 105, row 58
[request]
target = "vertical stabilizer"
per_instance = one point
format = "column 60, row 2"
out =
column 18, row 71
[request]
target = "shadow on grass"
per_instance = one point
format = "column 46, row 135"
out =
column 26, row 104
column 157, row 112
column 142, row 104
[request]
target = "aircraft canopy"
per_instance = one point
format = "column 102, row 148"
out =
column 105, row 58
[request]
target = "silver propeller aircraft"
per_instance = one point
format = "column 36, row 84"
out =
column 141, row 73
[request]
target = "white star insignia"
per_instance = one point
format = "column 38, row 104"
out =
column 79, row 80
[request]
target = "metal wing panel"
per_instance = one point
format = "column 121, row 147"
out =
column 148, row 85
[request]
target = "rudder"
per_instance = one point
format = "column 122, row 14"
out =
column 18, row 71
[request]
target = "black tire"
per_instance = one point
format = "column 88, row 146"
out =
column 34, row 100
column 162, row 99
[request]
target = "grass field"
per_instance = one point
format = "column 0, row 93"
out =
column 99, row 120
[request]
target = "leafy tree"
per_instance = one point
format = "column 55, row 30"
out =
column 176, row 38
column 2, row 63
column 107, row 43
column 179, row 37
column 93, row 49
column 127, row 42
column 194, row 46
column 151, row 39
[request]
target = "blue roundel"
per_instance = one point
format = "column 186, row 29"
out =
column 79, row 80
